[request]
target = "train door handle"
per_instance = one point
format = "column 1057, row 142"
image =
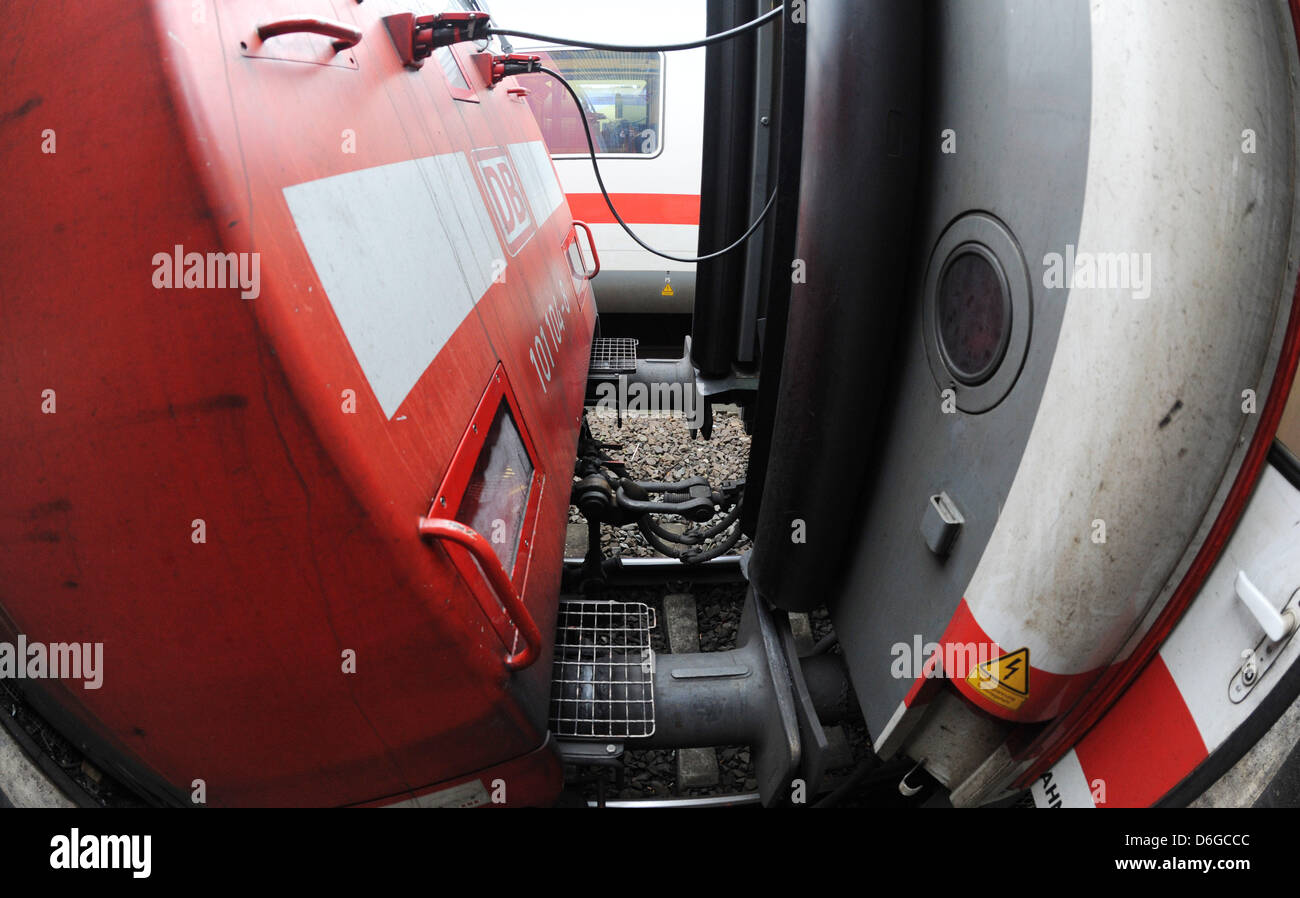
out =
column 345, row 36
column 1275, row 624
column 591, row 241
column 481, row 550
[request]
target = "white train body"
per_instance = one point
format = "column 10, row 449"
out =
column 652, row 173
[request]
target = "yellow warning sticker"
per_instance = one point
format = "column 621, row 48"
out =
column 667, row 290
column 1004, row 680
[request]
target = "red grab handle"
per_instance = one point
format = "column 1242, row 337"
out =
column 591, row 241
column 481, row 549
column 345, row 36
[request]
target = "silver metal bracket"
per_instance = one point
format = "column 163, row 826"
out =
column 1257, row 661
column 941, row 523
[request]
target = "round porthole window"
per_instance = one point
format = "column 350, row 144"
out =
column 977, row 311
column 973, row 314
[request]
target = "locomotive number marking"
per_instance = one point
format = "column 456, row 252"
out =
column 546, row 344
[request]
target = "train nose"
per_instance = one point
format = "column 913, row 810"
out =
column 1088, row 268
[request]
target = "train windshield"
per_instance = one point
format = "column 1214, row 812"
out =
column 622, row 94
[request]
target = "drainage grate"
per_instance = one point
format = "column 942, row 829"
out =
column 602, row 679
column 611, row 355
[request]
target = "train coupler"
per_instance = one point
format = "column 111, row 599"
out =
column 610, row 691
column 604, row 494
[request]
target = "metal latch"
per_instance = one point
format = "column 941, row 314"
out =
column 941, row 523
column 1278, row 626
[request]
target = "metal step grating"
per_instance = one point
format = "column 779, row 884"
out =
column 613, row 355
column 602, row 678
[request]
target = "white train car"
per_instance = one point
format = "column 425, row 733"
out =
column 647, row 118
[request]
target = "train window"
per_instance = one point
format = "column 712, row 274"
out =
column 622, row 94
column 497, row 494
column 974, row 314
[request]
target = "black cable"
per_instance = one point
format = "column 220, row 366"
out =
column 825, row 644
column 658, row 539
column 697, row 537
column 505, row 44
column 691, row 557
column 675, row 486
column 648, row 48
column 591, row 149
column 869, row 772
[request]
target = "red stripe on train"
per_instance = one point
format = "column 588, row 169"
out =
column 964, row 641
column 1145, row 745
column 637, row 208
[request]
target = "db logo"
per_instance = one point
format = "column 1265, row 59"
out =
column 506, row 197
